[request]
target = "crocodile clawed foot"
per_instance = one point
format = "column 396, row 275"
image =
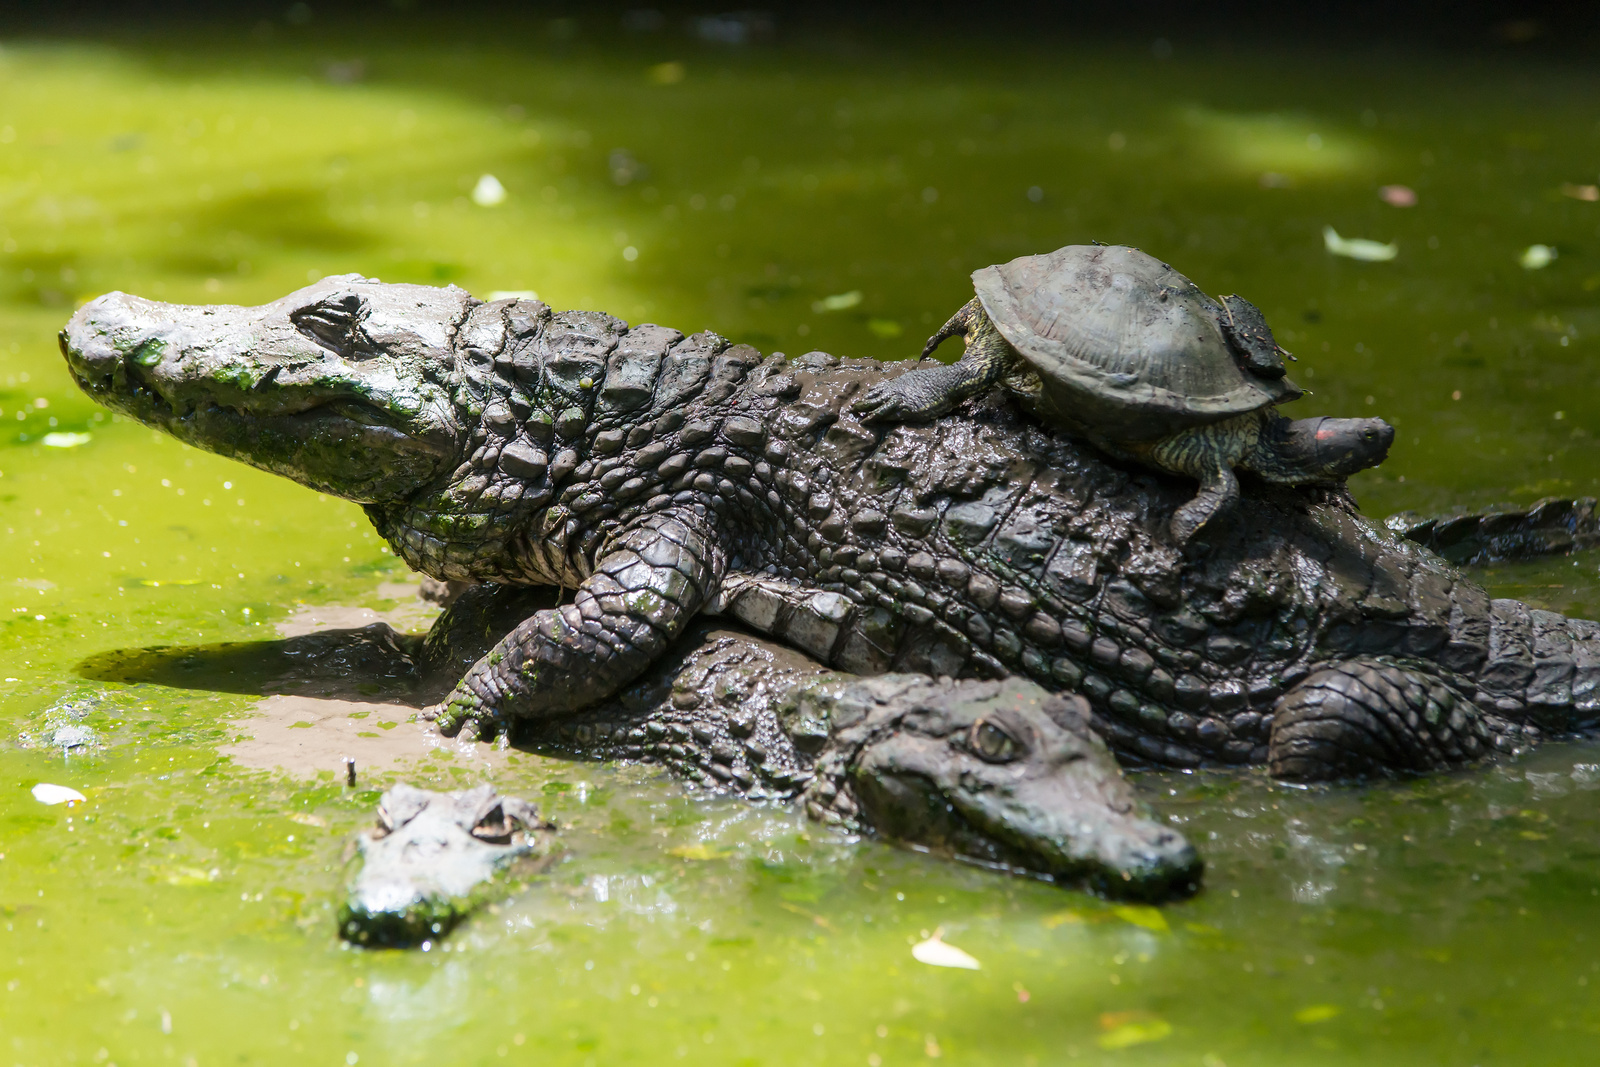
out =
column 464, row 715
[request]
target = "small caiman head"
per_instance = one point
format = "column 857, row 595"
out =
column 1001, row 772
column 432, row 859
column 344, row 386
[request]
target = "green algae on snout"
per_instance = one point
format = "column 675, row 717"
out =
column 173, row 916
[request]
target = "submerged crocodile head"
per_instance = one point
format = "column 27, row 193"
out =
column 431, row 860
column 1003, row 773
column 343, row 386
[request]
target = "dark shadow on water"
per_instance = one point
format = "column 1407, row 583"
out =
column 357, row 664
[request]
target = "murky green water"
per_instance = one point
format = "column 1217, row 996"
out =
column 182, row 916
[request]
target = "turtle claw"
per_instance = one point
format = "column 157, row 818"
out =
column 884, row 403
column 918, row 394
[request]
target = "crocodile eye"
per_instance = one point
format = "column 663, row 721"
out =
column 334, row 324
column 493, row 826
column 991, row 742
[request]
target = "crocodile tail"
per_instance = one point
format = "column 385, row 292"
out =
column 1550, row 527
column 1541, row 668
column 1564, row 694
column 958, row 326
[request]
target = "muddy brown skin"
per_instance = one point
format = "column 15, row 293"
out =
column 663, row 476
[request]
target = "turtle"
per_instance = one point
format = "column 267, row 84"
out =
column 1117, row 347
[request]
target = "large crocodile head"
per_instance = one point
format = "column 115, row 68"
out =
column 1004, row 773
column 432, row 858
column 342, row 386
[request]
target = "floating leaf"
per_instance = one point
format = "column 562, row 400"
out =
column 837, row 302
column 45, row 793
column 307, row 819
column 1143, row 915
column 1061, row 917
column 1358, row 247
column 667, row 73
column 190, row 876
column 1317, row 1013
column 1537, row 257
column 488, row 192
column 696, row 852
column 1138, row 1029
column 888, row 329
column 65, row 440
column 1398, row 195
column 813, row 916
column 935, row 953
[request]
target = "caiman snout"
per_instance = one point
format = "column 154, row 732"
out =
column 89, row 342
column 343, row 386
column 432, row 859
column 1009, row 773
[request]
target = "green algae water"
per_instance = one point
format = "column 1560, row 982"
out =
column 800, row 197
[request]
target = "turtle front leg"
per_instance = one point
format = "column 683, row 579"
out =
column 1202, row 454
column 1219, row 492
column 931, row 391
column 650, row 581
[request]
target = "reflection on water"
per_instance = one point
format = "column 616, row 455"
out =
column 184, row 913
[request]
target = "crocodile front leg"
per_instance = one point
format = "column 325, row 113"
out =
column 650, row 580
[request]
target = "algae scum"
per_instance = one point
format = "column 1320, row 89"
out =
column 792, row 198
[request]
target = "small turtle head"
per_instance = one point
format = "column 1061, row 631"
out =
column 1327, row 449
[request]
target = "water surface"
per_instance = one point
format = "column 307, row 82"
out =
column 184, row 914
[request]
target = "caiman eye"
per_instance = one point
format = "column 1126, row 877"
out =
column 494, row 826
column 993, row 743
column 335, row 324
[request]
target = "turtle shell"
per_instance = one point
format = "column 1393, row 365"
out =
column 1125, row 347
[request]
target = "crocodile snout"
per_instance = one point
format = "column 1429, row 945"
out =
column 87, row 341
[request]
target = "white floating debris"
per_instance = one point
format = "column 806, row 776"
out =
column 837, row 302
column 512, row 294
column 72, row 736
column 1358, row 247
column 1398, row 195
column 45, row 793
column 65, row 440
column 935, row 953
column 1534, row 257
column 488, row 192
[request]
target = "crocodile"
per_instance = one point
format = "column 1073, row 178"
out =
column 658, row 476
column 1003, row 772
column 432, row 857
column 1552, row 526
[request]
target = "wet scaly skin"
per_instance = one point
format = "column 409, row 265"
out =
column 663, row 476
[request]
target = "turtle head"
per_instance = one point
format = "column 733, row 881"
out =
column 1325, row 449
